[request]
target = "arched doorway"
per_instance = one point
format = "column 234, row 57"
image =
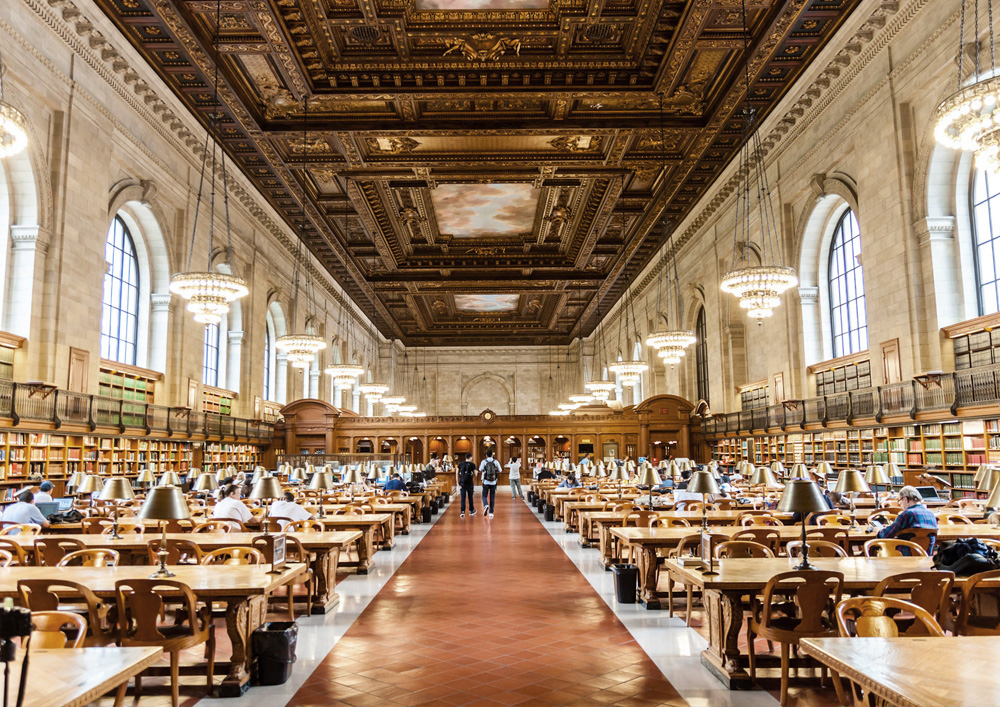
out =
column 662, row 448
column 389, row 445
column 535, row 451
column 463, row 446
column 364, row 446
column 439, row 446
column 487, row 443
column 513, row 446
column 414, row 451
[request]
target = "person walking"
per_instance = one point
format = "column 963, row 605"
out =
column 514, row 467
column 465, row 477
column 489, row 468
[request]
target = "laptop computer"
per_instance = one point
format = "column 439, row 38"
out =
column 64, row 503
column 46, row 508
column 929, row 493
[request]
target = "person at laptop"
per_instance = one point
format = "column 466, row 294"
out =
column 914, row 515
column 44, row 494
column 24, row 511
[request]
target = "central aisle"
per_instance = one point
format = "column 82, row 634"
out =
column 487, row 612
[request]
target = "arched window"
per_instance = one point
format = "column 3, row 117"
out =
column 210, row 360
column 986, row 213
column 268, row 362
column 848, row 315
column 701, row 354
column 120, row 305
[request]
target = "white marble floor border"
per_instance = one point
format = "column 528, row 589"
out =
column 319, row 634
column 670, row 644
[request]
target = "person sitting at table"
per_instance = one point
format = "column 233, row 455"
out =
column 287, row 508
column 232, row 508
column 545, row 474
column 44, row 494
column 395, row 483
column 914, row 515
column 685, row 477
column 24, row 511
column 220, row 492
column 570, row 482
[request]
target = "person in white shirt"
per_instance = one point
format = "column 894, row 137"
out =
column 24, row 511
column 44, row 495
column 231, row 507
column 288, row 508
column 514, row 467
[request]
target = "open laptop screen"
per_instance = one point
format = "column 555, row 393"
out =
column 928, row 493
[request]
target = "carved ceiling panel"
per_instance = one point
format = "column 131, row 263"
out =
column 479, row 170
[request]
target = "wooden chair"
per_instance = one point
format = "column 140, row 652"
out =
column 893, row 547
column 979, row 611
column 218, row 526
column 817, row 548
column 48, row 629
column 831, row 534
column 44, row 595
column 639, row 519
column 304, row 526
column 179, row 552
column 125, row 527
column 626, row 508
column 233, row 556
column 725, row 504
column 93, row 557
column 876, row 617
column 49, row 550
column 794, row 605
column 177, row 526
column 924, row 537
column 349, row 511
column 741, row 548
column 6, row 558
column 930, row 590
column 139, row 608
column 93, row 525
column 15, row 550
column 25, row 529
column 838, row 519
column 295, row 551
column 952, row 519
column 970, row 504
column 761, row 521
column 689, row 546
column 764, row 536
column 674, row 522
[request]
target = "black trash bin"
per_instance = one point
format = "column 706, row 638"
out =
column 425, row 514
column 274, row 651
column 531, row 497
column 434, row 506
column 540, row 504
column 550, row 512
column 626, row 581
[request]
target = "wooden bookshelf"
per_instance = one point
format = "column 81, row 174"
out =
column 217, row 400
column 219, row 455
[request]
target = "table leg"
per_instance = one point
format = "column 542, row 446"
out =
column 585, row 531
column 724, row 611
column 406, row 522
column 388, row 534
column 647, row 577
column 366, row 549
column 243, row 616
column 324, row 569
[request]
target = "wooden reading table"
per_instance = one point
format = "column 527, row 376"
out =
column 75, row 677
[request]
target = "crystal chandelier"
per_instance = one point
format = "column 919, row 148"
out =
column 344, row 374
column 559, row 413
column 568, row 406
column 210, row 293
column 300, row 349
column 600, row 389
column 582, row 399
column 629, row 372
column 392, row 403
column 968, row 118
column 13, row 125
column 373, row 391
column 758, row 287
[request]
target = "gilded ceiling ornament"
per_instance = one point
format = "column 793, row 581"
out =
column 478, row 47
column 439, row 307
column 309, row 147
column 577, row 143
column 392, row 145
column 560, row 214
column 486, row 251
column 410, row 215
column 327, row 176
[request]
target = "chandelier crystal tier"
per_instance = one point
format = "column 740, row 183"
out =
column 13, row 125
column 758, row 287
column 559, row 413
column 300, row 349
column 581, row 399
column 629, row 372
column 345, row 375
column 373, row 391
column 208, row 293
column 600, row 389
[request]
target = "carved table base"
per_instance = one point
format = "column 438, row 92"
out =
column 243, row 616
column 724, row 612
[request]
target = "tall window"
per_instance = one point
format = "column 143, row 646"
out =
column 267, row 363
column 848, row 314
column 210, row 361
column 120, row 305
column 701, row 354
column 986, row 224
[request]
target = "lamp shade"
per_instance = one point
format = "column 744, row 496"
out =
column 617, row 473
column 267, row 487
column 193, row 473
column 762, row 476
column 993, row 500
column 297, row 474
column 353, row 476
column 799, row 471
column 703, row 482
column 875, row 474
column 146, row 477
column 164, row 503
column 801, row 496
column 76, row 478
column 892, row 470
column 989, row 480
column 824, row 469
column 206, row 482
column 673, row 470
column 851, row 481
column 90, row 484
column 777, row 467
column 170, row 478
column 258, row 474
column 981, row 471
column 380, row 473
column 117, row 489
column 648, row 476
column 321, row 480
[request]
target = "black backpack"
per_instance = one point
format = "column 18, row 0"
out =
column 466, row 474
column 966, row 557
column 491, row 472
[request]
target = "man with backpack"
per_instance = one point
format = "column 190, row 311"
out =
column 465, row 477
column 490, row 470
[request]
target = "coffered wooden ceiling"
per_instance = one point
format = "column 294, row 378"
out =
column 501, row 159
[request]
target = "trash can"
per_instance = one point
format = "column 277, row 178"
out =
column 550, row 512
column 425, row 514
column 531, row 497
column 626, row 581
column 274, row 651
column 540, row 505
column 434, row 506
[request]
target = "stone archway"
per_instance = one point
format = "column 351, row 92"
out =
column 490, row 391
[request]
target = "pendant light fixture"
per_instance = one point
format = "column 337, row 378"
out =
column 629, row 371
column 209, row 293
column 968, row 118
column 758, row 287
column 301, row 349
column 601, row 388
column 13, row 125
column 373, row 390
column 345, row 375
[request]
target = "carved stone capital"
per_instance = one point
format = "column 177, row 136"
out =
column 161, row 302
column 808, row 296
column 935, row 229
column 235, row 337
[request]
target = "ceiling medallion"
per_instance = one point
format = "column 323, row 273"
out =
column 479, row 48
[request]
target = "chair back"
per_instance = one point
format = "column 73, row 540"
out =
column 741, row 548
column 179, row 551
column 93, row 525
column 44, row 595
column 953, row 519
column 675, row 522
column 639, row 519
column 690, row 545
column 831, row 534
column 817, row 548
column 47, row 629
column 304, row 526
column 15, row 550
column 979, row 613
column 893, row 547
column 760, row 520
column 240, row 555
column 124, row 526
column 626, row 507
column 25, row 529
column 49, row 550
column 6, row 558
column 92, row 557
column 217, row 525
column 765, row 536
column 838, row 519
column 177, row 526
column 139, row 608
column 295, row 551
column 800, row 604
column 930, row 590
column 876, row 617
column 924, row 537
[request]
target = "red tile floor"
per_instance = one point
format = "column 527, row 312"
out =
column 487, row 612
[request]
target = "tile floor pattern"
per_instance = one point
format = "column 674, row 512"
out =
column 484, row 613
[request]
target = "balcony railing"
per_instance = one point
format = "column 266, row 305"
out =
column 946, row 393
column 22, row 402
